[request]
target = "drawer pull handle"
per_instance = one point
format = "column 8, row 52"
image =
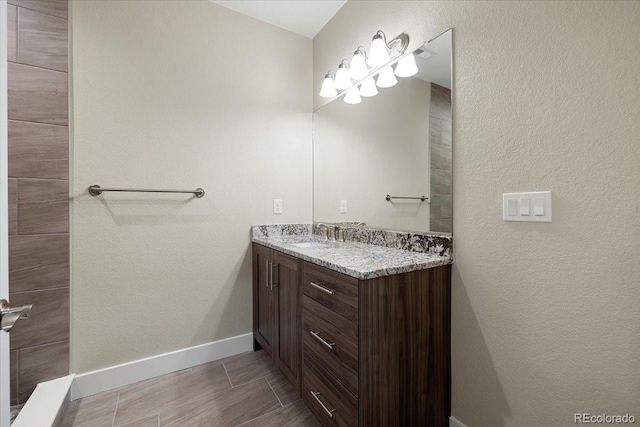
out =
column 322, row 288
column 330, row 345
column 327, row 410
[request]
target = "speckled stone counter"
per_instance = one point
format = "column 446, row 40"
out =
column 360, row 260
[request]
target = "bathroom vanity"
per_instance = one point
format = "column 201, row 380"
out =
column 362, row 331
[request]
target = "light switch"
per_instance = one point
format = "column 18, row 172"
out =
column 532, row 207
column 277, row 206
column 343, row 206
column 538, row 206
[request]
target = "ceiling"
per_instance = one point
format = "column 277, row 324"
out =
column 435, row 63
column 304, row 17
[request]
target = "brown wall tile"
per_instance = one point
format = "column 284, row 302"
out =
column 37, row 95
column 38, row 150
column 48, row 321
column 52, row 7
column 12, row 33
column 13, row 206
column 439, row 131
column 42, row 40
column 38, row 262
column 13, row 377
column 441, row 225
column 42, row 363
column 43, row 206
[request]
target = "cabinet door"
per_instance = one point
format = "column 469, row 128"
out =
column 289, row 315
column 264, row 310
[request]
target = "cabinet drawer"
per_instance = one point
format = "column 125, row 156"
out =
column 331, row 403
column 332, row 340
column 333, row 290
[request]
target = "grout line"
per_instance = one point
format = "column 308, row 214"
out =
column 226, row 372
column 37, row 123
column 41, row 68
column 158, row 418
column 274, row 392
column 113, row 422
column 53, row 288
column 40, row 345
column 36, row 10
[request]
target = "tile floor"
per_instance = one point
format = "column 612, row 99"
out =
column 244, row 390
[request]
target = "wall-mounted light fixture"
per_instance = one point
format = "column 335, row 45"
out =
column 362, row 69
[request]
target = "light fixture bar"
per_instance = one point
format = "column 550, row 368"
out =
column 404, row 43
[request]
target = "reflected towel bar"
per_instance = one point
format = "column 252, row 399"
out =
column 96, row 190
column 388, row 198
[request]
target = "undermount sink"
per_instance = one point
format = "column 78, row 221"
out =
column 308, row 245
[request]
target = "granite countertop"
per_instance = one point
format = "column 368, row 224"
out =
column 360, row 260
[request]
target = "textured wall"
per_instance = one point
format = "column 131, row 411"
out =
column 38, row 160
column 546, row 319
column 363, row 152
column 178, row 95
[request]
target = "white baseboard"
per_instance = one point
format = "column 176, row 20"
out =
column 453, row 422
column 47, row 405
column 105, row 379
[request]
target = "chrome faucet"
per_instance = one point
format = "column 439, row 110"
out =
column 323, row 228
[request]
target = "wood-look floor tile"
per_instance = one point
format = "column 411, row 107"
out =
column 92, row 411
column 43, row 206
column 293, row 415
column 42, row 363
column 249, row 366
column 13, row 377
column 13, row 206
column 283, row 388
column 38, row 150
column 57, row 8
column 227, row 408
column 38, row 262
column 12, row 33
column 441, row 156
column 440, row 181
column 152, row 421
column 48, row 320
column 37, row 95
column 148, row 397
column 42, row 40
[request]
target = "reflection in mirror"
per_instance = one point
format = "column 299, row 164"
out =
column 397, row 143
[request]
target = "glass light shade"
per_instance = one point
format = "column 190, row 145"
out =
column 406, row 66
column 353, row 96
column 358, row 67
column 378, row 54
column 342, row 78
column 386, row 78
column 368, row 88
column 328, row 89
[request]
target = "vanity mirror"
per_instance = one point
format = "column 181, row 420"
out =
column 387, row 159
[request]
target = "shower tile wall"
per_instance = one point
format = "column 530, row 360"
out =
column 440, row 130
column 38, row 191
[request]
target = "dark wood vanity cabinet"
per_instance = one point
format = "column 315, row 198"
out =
column 361, row 352
column 276, row 308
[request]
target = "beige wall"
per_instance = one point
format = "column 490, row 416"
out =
column 363, row 152
column 546, row 317
column 178, row 95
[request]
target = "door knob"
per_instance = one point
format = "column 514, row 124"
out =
column 9, row 316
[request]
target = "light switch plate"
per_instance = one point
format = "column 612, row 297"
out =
column 530, row 207
column 277, row 206
column 343, row 206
